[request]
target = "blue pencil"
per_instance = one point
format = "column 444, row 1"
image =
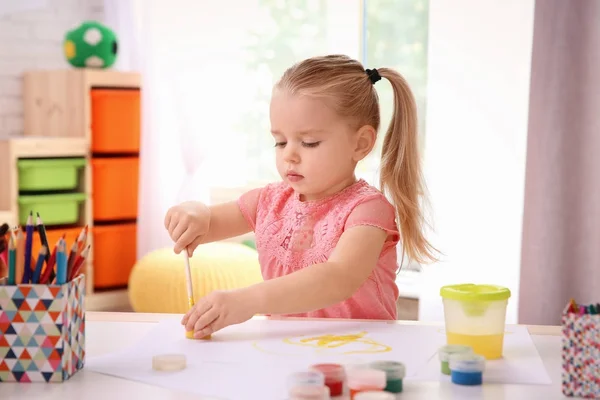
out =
column 28, row 248
column 61, row 263
column 37, row 272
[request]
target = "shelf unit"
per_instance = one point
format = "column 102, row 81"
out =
column 63, row 106
column 16, row 149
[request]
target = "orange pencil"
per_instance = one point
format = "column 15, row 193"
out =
column 573, row 306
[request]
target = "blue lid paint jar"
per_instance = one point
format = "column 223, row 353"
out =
column 445, row 352
column 467, row 368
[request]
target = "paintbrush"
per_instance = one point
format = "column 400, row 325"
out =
column 190, row 290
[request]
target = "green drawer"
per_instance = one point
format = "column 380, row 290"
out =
column 55, row 209
column 49, row 173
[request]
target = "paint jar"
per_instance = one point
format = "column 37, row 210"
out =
column 394, row 374
column 475, row 316
column 307, row 385
column 306, row 378
column 309, row 393
column 375, row 396
column 365, row 379
column 446, row 351
column 335, row 377
column 467, row 369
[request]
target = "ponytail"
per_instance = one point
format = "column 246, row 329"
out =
column 401, row 176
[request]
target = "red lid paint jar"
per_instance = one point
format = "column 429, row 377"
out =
column 307, row 385
column 335, row 377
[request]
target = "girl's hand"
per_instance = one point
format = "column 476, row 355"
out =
column 216, row 311
column 187, row 223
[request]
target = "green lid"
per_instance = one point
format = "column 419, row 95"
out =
column 472, row 292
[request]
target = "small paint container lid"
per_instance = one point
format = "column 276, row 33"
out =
column 364, row 376
column 446, row 351
column 306, row 378
column 371, row 395
column 393, row 369
column 467, row 362
column 332, row 372
column 309, row 393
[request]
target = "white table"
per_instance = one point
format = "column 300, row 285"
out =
column 107, row 332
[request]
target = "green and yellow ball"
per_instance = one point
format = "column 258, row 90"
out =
column 91, row 45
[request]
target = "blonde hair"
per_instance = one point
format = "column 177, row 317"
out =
column 345, row 85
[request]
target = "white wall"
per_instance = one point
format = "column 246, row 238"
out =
column 478, row 94
column 31, row 36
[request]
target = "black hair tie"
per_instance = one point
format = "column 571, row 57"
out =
column 373, row 75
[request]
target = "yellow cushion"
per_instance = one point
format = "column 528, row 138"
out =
column 157, row 282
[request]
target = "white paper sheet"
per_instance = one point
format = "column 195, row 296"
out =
column 254, row 359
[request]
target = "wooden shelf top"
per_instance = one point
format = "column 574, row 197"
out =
column 33, row 146
column 96, row 77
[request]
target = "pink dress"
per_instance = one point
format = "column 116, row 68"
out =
column 292, row 234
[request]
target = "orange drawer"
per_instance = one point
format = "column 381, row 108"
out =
column 115, row 188
column 115, row 253
column 115, row 120
column 53, row 235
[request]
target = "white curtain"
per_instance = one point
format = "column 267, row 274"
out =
column 478, row 102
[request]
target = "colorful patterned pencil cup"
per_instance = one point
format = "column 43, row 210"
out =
column 475, row 316
column 42, row 331
column 581, row 351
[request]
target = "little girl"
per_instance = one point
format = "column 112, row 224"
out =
column 326, row 241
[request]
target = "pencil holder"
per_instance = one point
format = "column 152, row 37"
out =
column 581, row 353
column 42, row 331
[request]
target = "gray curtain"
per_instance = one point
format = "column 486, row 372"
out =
column 561, row 226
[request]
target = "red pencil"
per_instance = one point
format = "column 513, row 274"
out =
column 48, row 273
column 79, row 262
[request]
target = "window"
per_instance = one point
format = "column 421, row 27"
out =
column 395, row 36
column 278, row 33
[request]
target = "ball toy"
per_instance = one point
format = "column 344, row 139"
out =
column 91, row 45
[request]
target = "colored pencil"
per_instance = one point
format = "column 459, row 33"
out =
column 79, row 263
column 82, row 240
column 43, row 237
column 11, row 261
column 71, row 260
column 28, row 248
column 49, row 274
column 20, row 256
column 3, row 267
column 61, row 263
column 37, row 272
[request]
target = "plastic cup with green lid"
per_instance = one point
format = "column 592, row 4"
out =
column 475, row 316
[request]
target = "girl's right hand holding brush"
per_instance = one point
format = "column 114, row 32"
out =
column 187, row 224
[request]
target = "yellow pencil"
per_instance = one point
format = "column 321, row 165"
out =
column 190, row 290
